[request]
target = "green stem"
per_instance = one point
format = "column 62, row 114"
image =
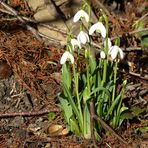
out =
column 115, row 78
column 89, row 14
column 106, row 51
column 76, row 81
column 104, row 72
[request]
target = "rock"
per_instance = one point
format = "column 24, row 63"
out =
column 52, row 13
column 34, row 4
column 55, row 35
column 46, row 13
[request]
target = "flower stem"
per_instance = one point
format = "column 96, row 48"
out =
column 115, row 78
column 106, row 50
column 76, row 81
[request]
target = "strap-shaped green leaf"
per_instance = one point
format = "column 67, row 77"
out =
column 100, row 88
column 87, row 129
column 116, row 101
column 72, row 103
column 66, row 107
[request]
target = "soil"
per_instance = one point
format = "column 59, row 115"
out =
column 30, row 81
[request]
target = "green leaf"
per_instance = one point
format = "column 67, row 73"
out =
column 84, row 78
column 73, row 105
column 117, row 100
column 127, row 115
column 100, row 88
column 142, row 130
column 137, row 110
column 51, row 116
column 117, row 42
column 97, row 136
column 87, row 129
column 92, row 63
column 144, row 41
column 66, row 107
column 74, row 127
column 110, row 86
column 122, row 109
column 66, row 75
column 86, row 94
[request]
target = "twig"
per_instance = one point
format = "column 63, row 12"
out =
column 141, row 18
column 27, row 114
column 132, row 49
column 104, row 125
column 108, row 128
column 138, row 31
column 57, row 42
column 132, row 32
column 15, row 13
column 5, row 11
column 92, row 123
column 138, row 75
column 23, row 17
column 51, row 27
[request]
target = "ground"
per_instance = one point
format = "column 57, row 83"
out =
column 30, row 81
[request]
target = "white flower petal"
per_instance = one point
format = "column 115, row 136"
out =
column 92, row 29
column 65, row 56
column 63, row 59
column 114, row 52
column 102, row 54
column 121, row 53
column 79, row 14
column 98, row 26
column 109, row 43
column 75, row 42
column 83, row 37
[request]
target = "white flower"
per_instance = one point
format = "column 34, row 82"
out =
column 98, row 27
column 102, row 54
column 109, row 43
column 75, row 42
column 79, row 14
column 83, row 37
column 65, row 56
column 114, row 51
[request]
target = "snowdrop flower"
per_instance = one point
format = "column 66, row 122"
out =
column 109, row 43
column 80, row 14
column 114, row 51
column 83, row 37
column 98, row 27
column 65, row 56
column 102, row 55
column 74, row 43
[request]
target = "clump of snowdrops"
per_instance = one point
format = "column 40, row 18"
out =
column 95, row 80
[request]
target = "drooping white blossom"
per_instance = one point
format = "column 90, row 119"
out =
column 102, row 55
column 67, row 55
column 74, row 43
column 99, row 27
column 115, row 51
column 83, row 37
column 80, row 14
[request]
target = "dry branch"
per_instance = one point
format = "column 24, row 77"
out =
column 32, row 113
column 104, row 125
column 15, row 13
